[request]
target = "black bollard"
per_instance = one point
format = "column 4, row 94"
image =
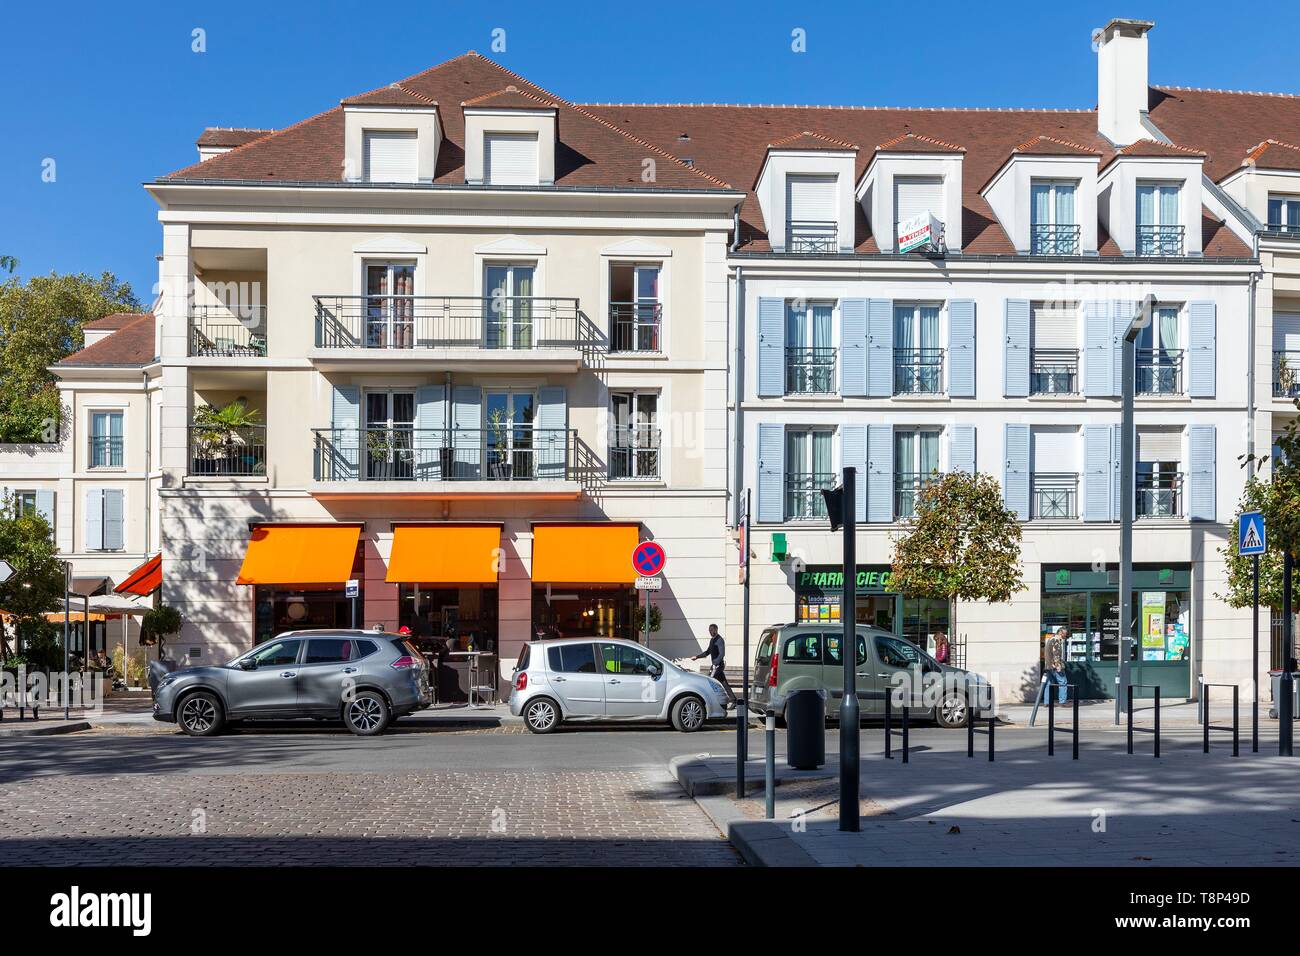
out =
column 1157, row 721
column 1130, row 718
column 1205, row 718
column 970, row 733
column 992, row 723
column 889, row 727
column 1075, row 696
column 1051, row 722
column 905, row 724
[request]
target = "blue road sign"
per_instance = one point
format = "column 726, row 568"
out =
column 1251, row 535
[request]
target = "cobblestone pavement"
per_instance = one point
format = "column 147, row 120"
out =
column 607, row 817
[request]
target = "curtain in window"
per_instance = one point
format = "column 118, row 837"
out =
column 1146, row 205
column 1041, row 203
column 523, row 306
column 1293, row 213
column 903, row 328
column 930, row 327
column 796, row 325
column 904, row 452
column 1168, row 330
column 1064, row 204
column 928, row 453
column 821, row 454
column 1168, row 206
column 821, row 330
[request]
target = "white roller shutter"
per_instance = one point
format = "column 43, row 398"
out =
column 915, row 195
column 810, row 199
column 1055, row 325
column 1286, row 331
column 390, row 157
column 1055, row 450
column 510, row 159
column 1159, row 444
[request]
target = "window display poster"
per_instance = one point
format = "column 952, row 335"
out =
column 1153, row 625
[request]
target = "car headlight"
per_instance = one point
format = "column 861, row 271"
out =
column 167, row 681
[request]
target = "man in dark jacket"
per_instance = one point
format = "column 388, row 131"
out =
column 716, row 652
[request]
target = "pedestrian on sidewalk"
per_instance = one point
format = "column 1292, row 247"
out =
column 716, row 652
column 1054, row 664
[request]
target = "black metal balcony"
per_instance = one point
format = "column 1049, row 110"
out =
column 810, row 371
column 811, row 238
column 1054, row 239
column 1054, row 372
column 1160, row 495
column 803, row 496
column 448, row 322
column 634, row 453
column 509, row 453
column 1159, row 372
column 237, row 331
column 1160, row 240
column 217, row 452
column 1054, row 495
column 918, row 371
column 1286, row 374
column 635, row 326
column 106, row 451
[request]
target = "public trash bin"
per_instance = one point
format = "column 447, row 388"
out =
column 1275, row 678
column 805, row 737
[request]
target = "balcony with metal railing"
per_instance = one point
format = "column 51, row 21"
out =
column 1054, row 496
column 811, row 238
column 634, row 454
column 1160, row 240
column 1054, row 372
column 907, row 489
column 918, row 371
column 1054, row 239
column 810, row 371
column 1286, row 374
column 635, row 326
column 1158, row 372
column 220, row 331
column 237, row 452
column 803, row 495
column 1159, row 495
column 106, row 451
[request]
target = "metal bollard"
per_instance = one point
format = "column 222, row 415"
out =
column 1051, row 722
column 889, row 726
column 905, row 712
column 1205, row 717
column 1157, row 721
column 1236, row 750
column 769, row 773
column 1075, row 697
column 1130, row 719
column 970, row 733
column 993, row 721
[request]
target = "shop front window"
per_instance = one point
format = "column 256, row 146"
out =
column 455, row 618
column 584, row 612
column 281, row 609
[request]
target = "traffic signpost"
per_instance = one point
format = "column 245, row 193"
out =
column 6, row 571
column 648, row 561
column 352, row 590
column 1252, row 541
column 742, row 709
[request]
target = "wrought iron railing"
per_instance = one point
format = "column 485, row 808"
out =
column 635, row 326
column 803, row 495
column 237, row 331
column 918, row 371
column 227, row 452
column 1054, row 239
column 1286, row 374
column 1054, row 495
column 1160, row 495
column 510, row 453
column 1284, row 228
column 106, row 451
column 809, row 237
column 1159, row 240
column 634, row 453
column 1159, row 372
column 907, row 489
column 1054, row 372
column 458, row 322
column 810, row 371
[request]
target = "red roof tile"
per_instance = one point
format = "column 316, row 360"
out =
column 916, row 143
column 1051, row 146
column 512, row 98
column 393, row 95
column 220, row 136
column 1273, row 154
column 112, row 322
column 807, row 140
column 132, row 344
column 1227, row 125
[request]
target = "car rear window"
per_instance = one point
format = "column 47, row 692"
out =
column 803, row 649
column 522, row 663
column 763, row 656
column 404, row 646
column 365, row 648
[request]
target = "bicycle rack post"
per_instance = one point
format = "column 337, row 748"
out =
column 905, row 713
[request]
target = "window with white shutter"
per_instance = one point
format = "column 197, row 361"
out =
column 510, row 159
column 1054, row 348
column 1054, row 478
column 390, row 157
column 812, row 222
column 914, row 195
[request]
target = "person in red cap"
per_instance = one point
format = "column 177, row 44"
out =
column 404, row 630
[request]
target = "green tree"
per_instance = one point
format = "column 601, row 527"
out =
column 8, row 264
column 961, row 544
column 27, row 543
column 1260, row 496
column 157, row 624
column 41, row 322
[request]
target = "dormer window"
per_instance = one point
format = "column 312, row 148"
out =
column 1284, row 213
column 812, row 216
column 510, row 159
column 390, row 156
column 916, row 196
column 1053, row 225
column 1159, row 233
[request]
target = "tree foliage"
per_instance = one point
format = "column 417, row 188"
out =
column 41, row 322
column 27, row 543
column 1258, row 496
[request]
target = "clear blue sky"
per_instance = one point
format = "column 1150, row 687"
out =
column 114, row 94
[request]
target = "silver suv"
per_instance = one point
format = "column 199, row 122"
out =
column 607, row 678
column 365, row 678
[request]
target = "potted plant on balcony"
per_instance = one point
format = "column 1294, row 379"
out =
column 500, row 466
column 1286, row 376
column 220, row 433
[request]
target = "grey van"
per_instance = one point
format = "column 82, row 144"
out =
column 791, row 657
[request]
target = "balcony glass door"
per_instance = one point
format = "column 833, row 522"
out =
column 508, row 307
column 809, row 468
column 1054, row 230
column 634, row 446
column 390, row 306
column 809, row 347
column 1158, row 229
column 916, row 458
column 918, row 356
column 508, row 435
column 390, row 423
column 1159, row 357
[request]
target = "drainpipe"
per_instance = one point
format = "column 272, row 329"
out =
column 1250, row 368
column 738, row 418
column 148, row 466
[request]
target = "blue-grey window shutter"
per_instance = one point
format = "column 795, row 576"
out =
column 94, row 519
column 853, row 348
column 1097, row 473
column 344, row 448
column 1116, row 489
column 961, row 448
column 1200, row 472
column 467, row 439
column 1098, row 358
column 771, row 347
column 961, row 348
column 853, row 454
column 551, row 432
column 430, row 431
column 880, row 473
column 1200, row 352
column 114, row 533
column 45, row 506
column 1015, row 368
column 880, row 348
column 1121, row 314
column 771, row 472
column 1015, row 475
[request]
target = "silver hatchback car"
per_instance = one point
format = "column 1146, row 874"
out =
column 604, row 678
column 365, row 678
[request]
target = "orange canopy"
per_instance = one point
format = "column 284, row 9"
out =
column 145, row 579
column 584, row 553
column 445, row 554
column 300, row 554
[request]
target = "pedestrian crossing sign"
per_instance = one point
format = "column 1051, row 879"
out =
column 1251, row 536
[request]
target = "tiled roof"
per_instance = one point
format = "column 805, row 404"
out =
column 1153, row 149
column 1227, row 125
column 112, row 322
column 394, row 95
column 222, row 136
column 1272, row 154
column 1052, row 146
column 512, row 98
column 916, row 143
column 809, row 140
column 131, row 344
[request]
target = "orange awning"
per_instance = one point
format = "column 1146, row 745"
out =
column 145, row 579
column 584, row 553
column 300, row 554
column 445, row 554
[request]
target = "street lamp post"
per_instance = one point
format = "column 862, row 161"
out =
column 841, row 508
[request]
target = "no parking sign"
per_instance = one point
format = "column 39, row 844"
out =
column 648, row 559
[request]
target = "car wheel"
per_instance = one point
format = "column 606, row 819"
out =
column 542, row 715
column 689, row 713
column 201, row 714
column 953, row 711
column 366, row 714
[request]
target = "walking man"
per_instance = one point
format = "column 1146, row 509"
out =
column 1054, row 664
column 716, row 652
